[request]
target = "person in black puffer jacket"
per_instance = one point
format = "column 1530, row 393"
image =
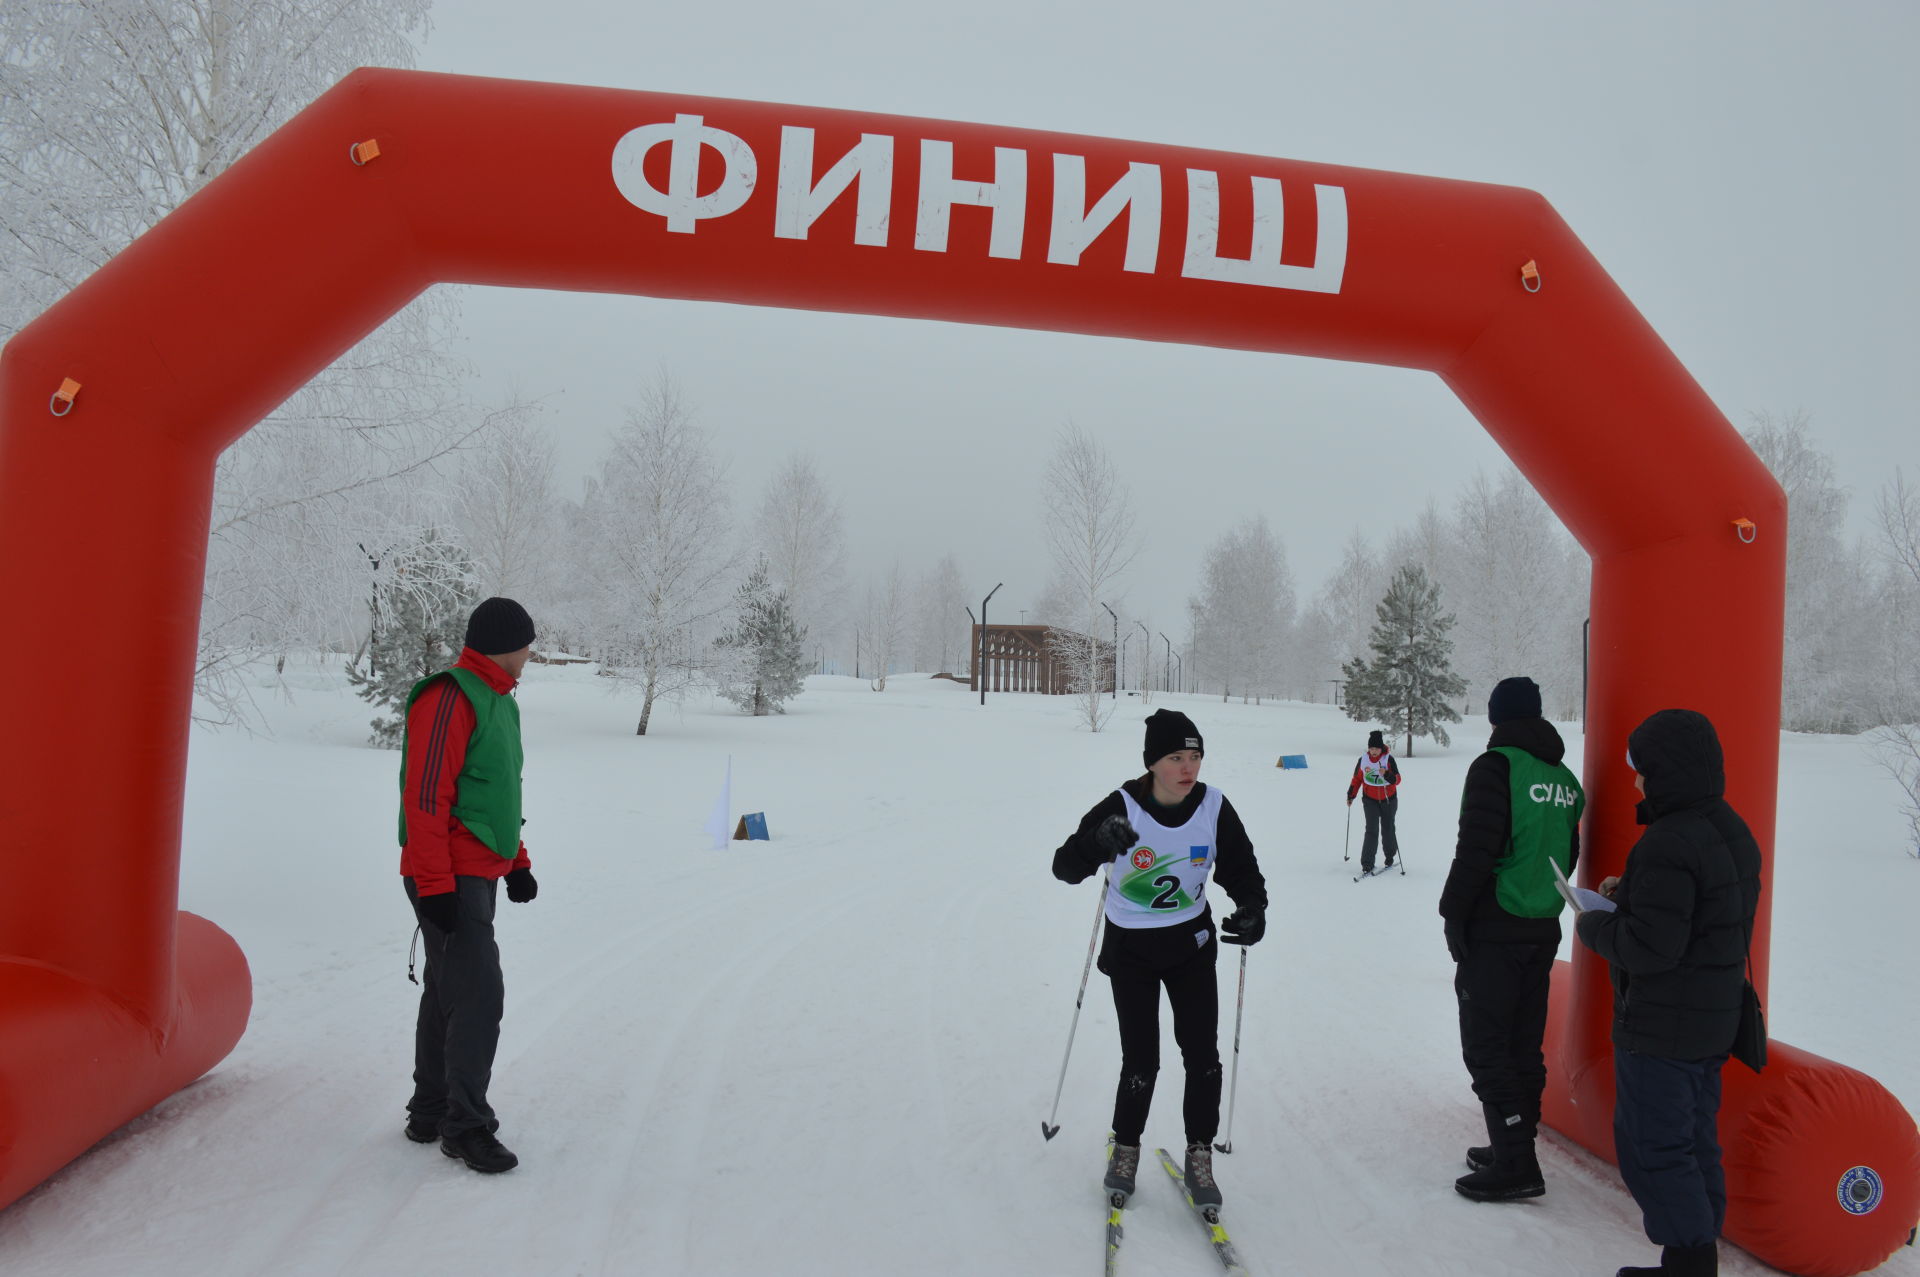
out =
column 1677, row 946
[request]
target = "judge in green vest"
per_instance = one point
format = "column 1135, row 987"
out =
column 459, row 837
column 1519, row 816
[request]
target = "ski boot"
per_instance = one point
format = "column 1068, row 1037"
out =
column 1123, row 1170
column 1201, row 1186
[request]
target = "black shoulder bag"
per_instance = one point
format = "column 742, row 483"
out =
column 1750, row 1039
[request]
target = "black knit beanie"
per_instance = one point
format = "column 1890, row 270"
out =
column 1513, row 698
column 1376, row 740
column 1168, row 732
column 499, row 626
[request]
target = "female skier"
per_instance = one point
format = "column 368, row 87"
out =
column 1158, row 836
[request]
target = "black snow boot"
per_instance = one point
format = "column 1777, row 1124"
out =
column 1123, row 1168
column 480, row 1151
column 421, row 1131
column 1681, row 1261
column 1479, row 1157
column 1201, row 1186
column 1508, row 1180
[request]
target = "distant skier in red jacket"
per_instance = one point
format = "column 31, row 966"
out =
column 1379, row 777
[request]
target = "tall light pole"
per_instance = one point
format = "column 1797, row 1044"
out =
column 1116, row 650
column 1146, row 656
column 983, row 639
column 1166, row 674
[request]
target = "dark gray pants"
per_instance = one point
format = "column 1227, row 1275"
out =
column 462, row 997
column 1667, row 1140
column 1379, row 813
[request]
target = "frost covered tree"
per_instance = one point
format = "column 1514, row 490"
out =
column 1519, row 586
column 112, row 114
column 1088, row 516
column 654, row 526
column 941, row 629
column 886, row 622
column 505, row 511
column 798, row 529
column 424, row 596
column 1409, row 681
column 1828, row 660
column 761, row 663
column 1243, row 616
column 1896, row 742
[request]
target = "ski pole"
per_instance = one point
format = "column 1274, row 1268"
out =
column 1049, row 1128
column 1233, row 1090
column 1345, row 854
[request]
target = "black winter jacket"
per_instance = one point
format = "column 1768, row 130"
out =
column 1677, row 944
column 1468, row 901
column 1234, row 867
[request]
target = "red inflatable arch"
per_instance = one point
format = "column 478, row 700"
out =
column 115, row 403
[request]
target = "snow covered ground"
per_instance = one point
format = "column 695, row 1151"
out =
column 831, row 1053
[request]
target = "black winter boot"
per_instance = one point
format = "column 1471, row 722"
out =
column 421, row 1131
column 1681, row 1261
column 480, row 1151
column 1479, row 1157
column 1509, row 1179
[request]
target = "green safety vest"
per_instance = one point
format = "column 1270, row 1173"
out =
column 1545, row 802
column 487, row 795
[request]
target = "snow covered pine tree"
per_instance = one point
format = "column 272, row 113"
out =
column 1410, row 679
column 763, row 658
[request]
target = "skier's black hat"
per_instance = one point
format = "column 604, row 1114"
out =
column 499, row 626
column 1376, row 740
column 1513, row 698
column 1168, row 732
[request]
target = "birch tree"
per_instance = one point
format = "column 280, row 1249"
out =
column 1243, row 616
column 800, row 532
column 886, row 622
column 1828, row 662
column 941, row 629
column 656, row 524
column 505, row 510
column 1090, row 536
column 113, row 113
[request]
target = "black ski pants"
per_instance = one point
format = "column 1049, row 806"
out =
column 1666, row 1135
column 462, row 997
column 1138, row 962
column 1502, row 990
column 1379, row 813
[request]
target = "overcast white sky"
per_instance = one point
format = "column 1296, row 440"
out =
column 1746, row 171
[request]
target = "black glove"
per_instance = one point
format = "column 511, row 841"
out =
column 521, row 887
column 442, row 911
column 1114, row 836
column 1244, row 926
column 1457, row 939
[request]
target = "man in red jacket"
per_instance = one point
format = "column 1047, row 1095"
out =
column 459, row 836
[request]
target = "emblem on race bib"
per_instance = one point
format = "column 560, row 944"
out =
column 1143, row 857
column 1197, row 856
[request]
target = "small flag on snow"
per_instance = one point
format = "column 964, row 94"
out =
column 717, row 823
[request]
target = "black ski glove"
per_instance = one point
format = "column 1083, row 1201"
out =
column 1457, row 939
column 442, row 911
column 1244, row 926
column 1114, row 836
column 521, row 887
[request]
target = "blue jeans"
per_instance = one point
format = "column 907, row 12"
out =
column 1666, row 1135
